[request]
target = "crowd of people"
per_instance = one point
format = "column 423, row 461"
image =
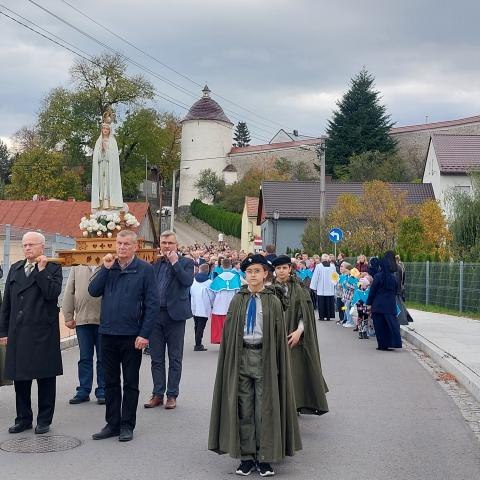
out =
column 261, row 309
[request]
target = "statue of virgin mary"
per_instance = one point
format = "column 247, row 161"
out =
column 106, row 181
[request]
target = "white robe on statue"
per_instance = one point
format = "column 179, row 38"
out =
column 106, row 181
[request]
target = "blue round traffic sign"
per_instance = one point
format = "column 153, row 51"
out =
column 335, row 235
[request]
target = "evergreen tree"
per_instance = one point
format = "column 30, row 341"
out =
column 359, row 125
column 241, row 136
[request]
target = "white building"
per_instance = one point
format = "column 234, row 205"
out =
column 450, row 159
column 207, row 135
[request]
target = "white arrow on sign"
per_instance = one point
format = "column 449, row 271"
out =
column 335, row 236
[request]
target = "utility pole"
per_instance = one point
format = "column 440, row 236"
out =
column 322, row 180
column 172, row 219
column 145, row 185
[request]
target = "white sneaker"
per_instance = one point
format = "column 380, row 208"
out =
column 348, row 325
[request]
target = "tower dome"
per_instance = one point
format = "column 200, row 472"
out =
column 206, row 143
column 206, row 109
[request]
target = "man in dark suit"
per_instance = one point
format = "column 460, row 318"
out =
column 174, row 276
column 29, row 327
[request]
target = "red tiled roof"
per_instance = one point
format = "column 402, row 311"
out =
column 457, row 153
column 435, row 125
column 273, row 146
column 252, row 206
column 54, row 216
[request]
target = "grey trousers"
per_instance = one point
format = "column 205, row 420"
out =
column 250, row 392
column 167, row 336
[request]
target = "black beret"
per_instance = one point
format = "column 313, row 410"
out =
column 281, row 260
column 255, row 259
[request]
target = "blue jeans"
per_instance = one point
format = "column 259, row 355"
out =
column 88, row 341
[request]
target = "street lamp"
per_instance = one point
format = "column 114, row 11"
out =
column 172, row 219
column 276, row 216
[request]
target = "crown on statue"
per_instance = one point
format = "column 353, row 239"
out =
column 108, row 117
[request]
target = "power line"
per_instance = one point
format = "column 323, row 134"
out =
column 130, row 60
column 164, row 64
column 161, row 95
column 44, row 36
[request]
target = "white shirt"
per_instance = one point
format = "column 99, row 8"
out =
column 257, row 335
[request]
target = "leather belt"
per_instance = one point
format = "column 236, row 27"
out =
column 252, row 346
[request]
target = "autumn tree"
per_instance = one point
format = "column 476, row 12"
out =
column 360, row 124
column 371, row 222
column 436, row 235
column 233, row 197
column 41, row 172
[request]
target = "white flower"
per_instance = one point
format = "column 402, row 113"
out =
column 111, row 226
column 99, row 233
column 109, row 234
column 89, row 229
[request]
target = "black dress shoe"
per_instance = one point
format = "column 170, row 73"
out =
column 106, row 432
column 126, row 434
column 199, row 348
column 76, row 400
column 41, row 429
column 101, row 400
column 19, row 427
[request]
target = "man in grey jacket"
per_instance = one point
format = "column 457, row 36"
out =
column 82, row 312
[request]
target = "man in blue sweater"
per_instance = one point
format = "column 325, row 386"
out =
column 130, row 307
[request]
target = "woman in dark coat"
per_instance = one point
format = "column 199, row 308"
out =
column 382, row 299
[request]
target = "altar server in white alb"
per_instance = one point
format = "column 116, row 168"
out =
column 223, row 288
column 323, row 283
column 201, row 304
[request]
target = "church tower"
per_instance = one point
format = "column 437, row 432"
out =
column 206, row 142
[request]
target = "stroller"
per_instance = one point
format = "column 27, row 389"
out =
column 363, row 317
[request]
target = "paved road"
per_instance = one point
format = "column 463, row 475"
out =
column 187, row 235
column 389, row 419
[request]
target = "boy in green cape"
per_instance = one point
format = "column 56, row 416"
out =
column 253, row 409
column 309, row 385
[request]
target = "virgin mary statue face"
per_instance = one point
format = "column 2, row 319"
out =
column 105, row 130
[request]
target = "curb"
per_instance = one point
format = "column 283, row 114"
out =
column 68, row 342
column 449, row 363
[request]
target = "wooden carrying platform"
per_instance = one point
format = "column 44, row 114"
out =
column 90, row 251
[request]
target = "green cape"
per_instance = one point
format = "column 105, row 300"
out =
column 308, row 382
column 279, row 434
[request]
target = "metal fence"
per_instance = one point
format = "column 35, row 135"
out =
column 11, row 238
column 452, row 285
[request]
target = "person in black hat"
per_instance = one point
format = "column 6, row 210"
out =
column 309, row 385
column 253, row 363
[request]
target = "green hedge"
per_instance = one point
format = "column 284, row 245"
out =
column 226, row 222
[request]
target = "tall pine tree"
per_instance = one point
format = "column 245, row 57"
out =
column 360, row 124
column 241, row 136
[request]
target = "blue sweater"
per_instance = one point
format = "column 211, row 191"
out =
column 130, row 302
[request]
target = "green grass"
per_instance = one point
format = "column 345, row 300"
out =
column 437, row 309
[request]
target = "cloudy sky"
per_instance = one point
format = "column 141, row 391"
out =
column 283, row 63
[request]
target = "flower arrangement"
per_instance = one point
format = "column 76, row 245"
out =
column 103, row 224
